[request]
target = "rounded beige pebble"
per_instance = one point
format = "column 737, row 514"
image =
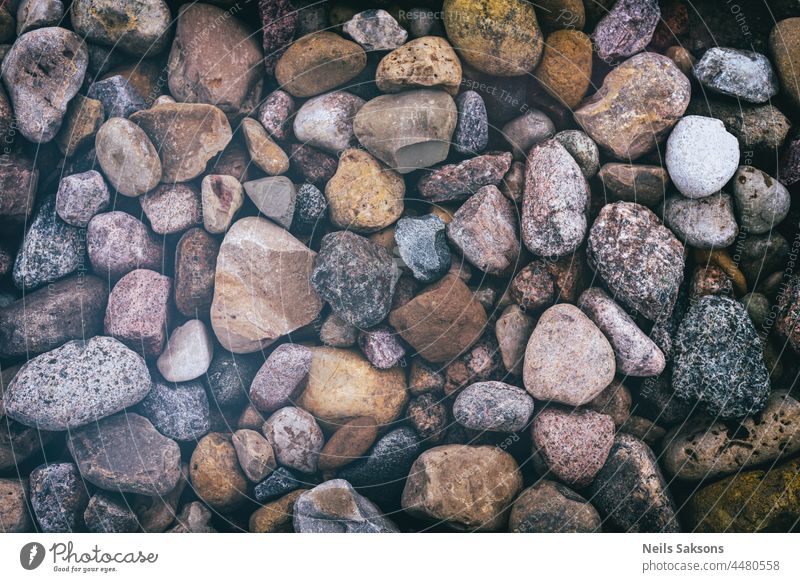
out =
column 127, row 156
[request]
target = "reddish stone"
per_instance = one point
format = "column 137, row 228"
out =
column 315, row 166
column 195, row 265
column 280, row 21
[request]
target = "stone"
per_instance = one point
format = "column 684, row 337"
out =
column 758, row 308
column 718, row 359
column 19, row 443
column 280, row 482
column 427, row 62
column 639, row 259
column 335, row 507
column 326, row 121
column 640, row 183
column 83, row 118
column 315, row 166
column 128, row 157
column 461, row 180
column 178, row 411
column 565, row 70
column 682, row 58
column 761, row 128
column 318, row 62
column 701, row 156
column 555, row 201
column 581, row 147
column 118, row 96
column 274, row 197
column 14, row 513
column 356, row 277
column 226, row 72
column 513, row 328
column 375, row 30
column 187, row 354
column 745, row 75
column 409, row 130
column 222, row 196
column 527, row 130
column 748, row 502
column 364, row 195
column 255, row 454
column 118, row 243
column 32, row 14
column 422, row 246
column 480, row 363
column 137, row 28
column 785, row 48
column 50, row 250
column 428, row 414
column 58, row 497
column 109, row 513
column 761, row 201
column 42, row 71
column 550, row 507
column 442, row 321
column 195, row 263
column 69, row 309
column 498, row 38
column 638, row 104
column 138, row 311
column 193, row 518
column 229, row 377
column 468, row 487
column 493, row 406
column 337, row 333
column 102, row 452
column 615, row 401
column 19, row 178
column 627, row 29
column 573, row 445
column 275, row 516
column 264, row 152
column 568, row 359
column 350, row 442
column 6, row 112
column 76, row 384
column 280, row 20
column 215, row 473
column 630, row 491
column 704, row 223
column 251, row 309
column 282, row 378
column 636, row 354
column 421, row 22
column 484, row 230
column 310, row 209
column 472, row 129
column 172, row 208
column 186, row 135
column 234, row 161
column 80, row 197
column 275, row 114
column 295, row 437
column 788, row 314
column 759, row 254
column 382, row 347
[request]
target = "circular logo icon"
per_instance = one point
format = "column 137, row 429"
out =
column 31, row 555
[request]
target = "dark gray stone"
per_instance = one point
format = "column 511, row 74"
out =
column 422, row 244
column 117, row 95
column 493, row 406
column 109, row 513
column 58, row 497
column 280, row 482
column 310, row 209
column 229, row 377
column 472, row 129
column 178, row 411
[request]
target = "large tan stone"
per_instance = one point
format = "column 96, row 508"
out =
column 425, row 62
column 215, row 473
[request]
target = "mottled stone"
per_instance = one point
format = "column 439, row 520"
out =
column 18, row 182
column 275, row 516
column 745, row 75
column 785, row 48
column 264, row 152
column 128, row 157
column 513, row 328
column 172, row 208
column 428, row 414
column 310, row 209
column 274, row 197
column 627, row 29
column 646, row 185
column 137, row 27
column 704, row 223
column 15, row 516
column 255, row 454
column 109, row 513
column 178, row 411
column 280, row 482
column 138, row 311
column 279, row 18
column 550, row 507
column 326, row 122
column 615, row 401
column 117, row 95
column 422, row 246
column 32, row 14
column 761, row 201
column 757, row 127
column 83, row 118
column 229, row 377
column 215, row 473
column 337, row 333
column 493, row 406
column 461, row 180
column 789, row 313
column 335, row 507
column 222, row 196
column 118, row 243
column 565, row 70
column 275, row 113
column 428, row 62
column 195, row 263
column 527, row 130
column 295, row 437
column 382, row 347
column 193, row 518
column 282, row 377
column 58, row 497
column 472, row 129
column 80, row 197
column 315, row 166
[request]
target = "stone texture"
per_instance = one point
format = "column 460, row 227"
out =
column 550, row 507
column 32, row 14
column 761, row 201
column 128, row 157
column 326, row 122
column 643, row 184
column 310, row 209
column 172, row 208
column 264, row 152
column 704, row 223
column 215, row 473
column 296, row 439
column 472, row 129
column 527, row 130
column 789, row 314
column 785, row 48
column 188, row 352
column 137, row 27
column 193, row 518
column 18, row 182
column 429, row 415
column 280, row 19
column 757, row 127
column 222, row 196
column 80, row 197
column 745, row 75
column 229, row 377
column 279, row 483
column 282, row 377
column 382, row 347
column 422, row 246
column 274, row 197
column 14, row 513
column 315, row 166
column 58, row 497
column 565, row 70
column 275, row 114
column 349, row 443
column 109, row 513
column 461, row 180
column 335, row 507
column 255, row 454
column 195, row 264
column 118, row 243
column 427, row 62
column 118, row 96
column 493, row 406
column 178, row 411
column 513, row 328
column 375, row 30
column 275, row 516
column 627, row 29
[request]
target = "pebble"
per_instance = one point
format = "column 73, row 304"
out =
column 472, row 129
column 568, row 359
column 186, row 136
column 343, row 385
column 615, row 401
column 653, row 94
column 757, row 127
column 178, row 411
column 499, row 38
column 310, row 209
column 442, row 321
column 280, row 482
column 275, row 516
column 467, row 487
column 275, row 114
column 493, row 406
column 326, row 122
column 527, row 130
column 281, row 378
column 423, row 247
column 581, row 147
column 215, row 473
column 109, row 513
column 640, row 183
column 193, row 518
column 719, row 360
column 315, row 166
column 18, row 181
column 550, row 507
column 427, row 62
column 639, row 259
column 195, row 263
column 318, row 62
column 109, row 22
column 745, row 75
column 759, row 254
column 229, row 377
column 479, row 363
column 172, row 208
column 461, row 180
column 761, row 201
column 295, row 437
column 788, row 313
column 188, row 352
column 701, row 156
column 14, row 513
column 428, row 415
column 76, row 384
column 375, row 30
column 248, row 311
column 234, row 162
column 80, row 197
column 138, row 311
column 513, row 328
column 19, row 442
column 352, row 440
column 51, row 249
column 118, row 243
column 555, row 201
column 32, row 14
column 356, row 277
column 264, row 152
column 758, row 308
column 280, row 19
column 421, row 22
column 409, row 130
column 226, row 72
column 42, row 71
column 783, row 43
column 572, row 445
column 627, row 29
column 364, row 195
column 221, row 196
column 117, row 95
column 274, row 197
column 102, row 451
column 335, row 507
column 127, row 157
column 382, row 347
column 565, row 70
column 44, row 319
column 255, row 454
column 704, row 223
column 58, row 497
column 484, row 231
